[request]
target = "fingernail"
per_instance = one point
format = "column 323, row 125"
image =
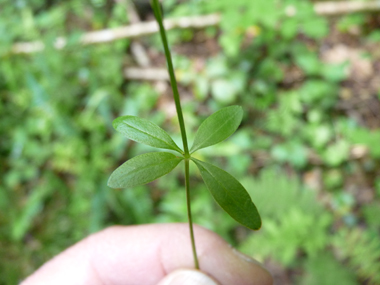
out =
column 245, row 257
column 187, row 277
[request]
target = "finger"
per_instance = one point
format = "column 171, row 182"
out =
column 144, row 255
column 187, row 277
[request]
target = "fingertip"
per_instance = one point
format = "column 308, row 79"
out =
column 187, row 277
column 219, row 260
column 263, row 276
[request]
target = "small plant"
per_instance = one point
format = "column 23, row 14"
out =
column 145, row 168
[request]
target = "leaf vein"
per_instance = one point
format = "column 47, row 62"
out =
column 217, row 129
column 226, row 191
column 149, row 134
column 137, row 169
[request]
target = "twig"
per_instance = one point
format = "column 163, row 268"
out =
column 151, row 74
column 148, row 28
column 131, row 31
column 145, row 72
column 336, row 8
column 137, row 49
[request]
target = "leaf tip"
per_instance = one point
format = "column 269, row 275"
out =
column 237, row 107
column 112, row 184
column 109, row 184
column 116, row 122
column 258, row 227
column 257, row 221
column 240, row 110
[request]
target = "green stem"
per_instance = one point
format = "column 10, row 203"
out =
column 173, row 81
column 187, row 185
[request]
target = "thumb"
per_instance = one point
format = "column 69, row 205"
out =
column 187, row 277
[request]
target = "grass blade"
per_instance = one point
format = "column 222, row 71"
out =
column 230, row 195
column 144, row 131
column 143, row 169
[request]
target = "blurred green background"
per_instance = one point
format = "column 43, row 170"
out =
column 308, row 149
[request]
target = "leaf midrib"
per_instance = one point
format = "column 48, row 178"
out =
column 228, row 194
column 171, row 147
column 229, row 119
column 151, row 165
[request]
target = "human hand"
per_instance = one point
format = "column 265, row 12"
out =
column 150, row 254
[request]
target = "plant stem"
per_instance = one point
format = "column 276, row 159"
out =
column 187, row 185
column 173, row 81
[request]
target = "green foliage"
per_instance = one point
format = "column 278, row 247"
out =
column 371, row 213
column 293, row 152
column 362, row 248
column 351, row 21
column 271, row 183
column 172, row 206
column 56, row 111
column 145, row 132
column 32, row 208
column 216, row 78
column 325, row 269
column 148, row 167
column 230, row 195
column 217, row 127
column 291, row 16
column 266, row 45
column 366, row 137
column 336, row 153
column 298, row 231
column 143, row 169
column 58, row 147
column 290, row 228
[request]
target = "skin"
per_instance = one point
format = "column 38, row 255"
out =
column 145, row 254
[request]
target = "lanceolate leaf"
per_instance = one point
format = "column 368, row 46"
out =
column 143, row 169
column 230, row 195
column 217, row 127
column 144, row 131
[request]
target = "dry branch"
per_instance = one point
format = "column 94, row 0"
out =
column 131, row 31
column 336, row 8
column 148, row 28
column 159, row 76
column 149, row 74
column 137, row 49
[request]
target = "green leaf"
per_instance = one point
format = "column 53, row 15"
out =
column 230, row 194
column 217, row 127
column 143, row 169
column 144, row 131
